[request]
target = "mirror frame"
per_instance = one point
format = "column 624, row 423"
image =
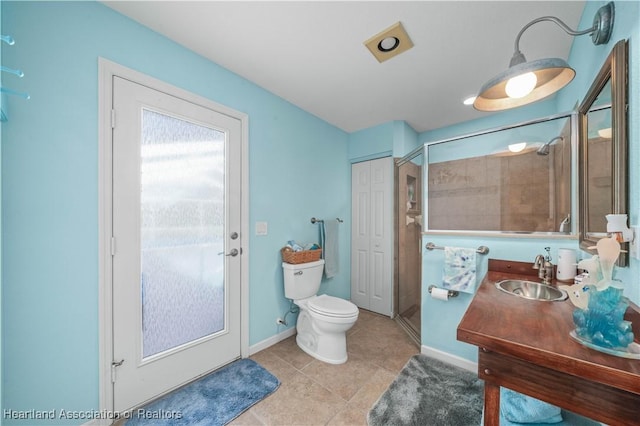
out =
column 614, row 69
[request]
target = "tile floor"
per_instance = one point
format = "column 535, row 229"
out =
column 316, row 393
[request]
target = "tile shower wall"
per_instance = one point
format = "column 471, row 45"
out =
column 491, row 193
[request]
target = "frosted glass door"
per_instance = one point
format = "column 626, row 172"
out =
column 176, row 220
column 182, row 212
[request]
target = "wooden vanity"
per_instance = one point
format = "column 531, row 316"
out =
column 525, row 345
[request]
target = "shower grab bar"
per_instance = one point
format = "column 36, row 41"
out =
column 314, row 220
column 481, row 249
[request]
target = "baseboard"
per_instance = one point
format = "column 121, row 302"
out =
column 271, row 341
column 99, row 422
column 449, row 358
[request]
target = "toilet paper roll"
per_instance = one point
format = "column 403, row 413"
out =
column 440, row 293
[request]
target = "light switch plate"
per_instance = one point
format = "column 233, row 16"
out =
column 261, row 228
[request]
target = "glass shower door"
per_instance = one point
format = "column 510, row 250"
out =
column 408, row 300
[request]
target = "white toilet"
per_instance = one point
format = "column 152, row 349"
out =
column 323, row 320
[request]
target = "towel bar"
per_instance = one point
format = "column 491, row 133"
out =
column 481, row 249
column 314, row 220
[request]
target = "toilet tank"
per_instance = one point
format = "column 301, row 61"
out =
column 303, row 279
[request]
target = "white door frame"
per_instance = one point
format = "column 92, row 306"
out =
column 106, row 71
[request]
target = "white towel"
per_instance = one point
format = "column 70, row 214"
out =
column 459, row 271
column 329, row 243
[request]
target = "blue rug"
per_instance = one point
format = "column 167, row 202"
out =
column 213, row 400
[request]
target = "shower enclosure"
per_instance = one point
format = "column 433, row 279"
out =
column 408, row 237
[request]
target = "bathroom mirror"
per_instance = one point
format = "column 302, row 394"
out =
column 602, row 151
column 515, row 179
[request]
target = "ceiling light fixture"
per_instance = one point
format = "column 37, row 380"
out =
column 389, row 43
column 517, row 147
column 469, row 100
column 525, row 82
column 605, row 133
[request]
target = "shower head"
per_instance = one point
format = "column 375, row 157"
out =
column 544, row 149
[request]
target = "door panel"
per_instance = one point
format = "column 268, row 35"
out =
column 176, row 201
column 372, row 239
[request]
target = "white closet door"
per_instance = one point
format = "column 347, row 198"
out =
column 360, row 209
column 372, row 238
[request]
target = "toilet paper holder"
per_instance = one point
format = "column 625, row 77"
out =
column 450, row 293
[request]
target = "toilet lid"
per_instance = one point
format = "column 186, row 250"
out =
column 332, row 306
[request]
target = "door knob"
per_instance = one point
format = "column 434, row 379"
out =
column 233, row 253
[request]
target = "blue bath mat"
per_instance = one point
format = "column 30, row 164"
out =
column 213, row 400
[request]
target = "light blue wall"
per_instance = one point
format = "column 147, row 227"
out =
column 491, row 121
column 405, row 139
column 440, row 319
column 299, row 168
column 496, row 140
column 394, row 138
column 1, row 287
column 374, row 142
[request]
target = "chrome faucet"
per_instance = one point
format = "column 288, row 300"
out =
column 544, row 266
column 565, row 225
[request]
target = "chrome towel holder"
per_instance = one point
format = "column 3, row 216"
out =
column 480, row 250
column 314, row 220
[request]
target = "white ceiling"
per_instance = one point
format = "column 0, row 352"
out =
column 311, row 53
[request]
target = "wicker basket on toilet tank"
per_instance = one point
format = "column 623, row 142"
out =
column 304, row 256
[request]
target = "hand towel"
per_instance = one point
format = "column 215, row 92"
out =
column 459, row 271
column 329, row 243
column 522, row 409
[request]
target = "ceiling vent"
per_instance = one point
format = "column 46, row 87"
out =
column 389, row 43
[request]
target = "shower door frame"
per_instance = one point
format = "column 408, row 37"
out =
column 398, row 162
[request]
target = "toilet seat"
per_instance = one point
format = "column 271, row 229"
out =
column 332, row 307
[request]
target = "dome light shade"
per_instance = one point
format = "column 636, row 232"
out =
column 544, row 76
column 552, row 74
